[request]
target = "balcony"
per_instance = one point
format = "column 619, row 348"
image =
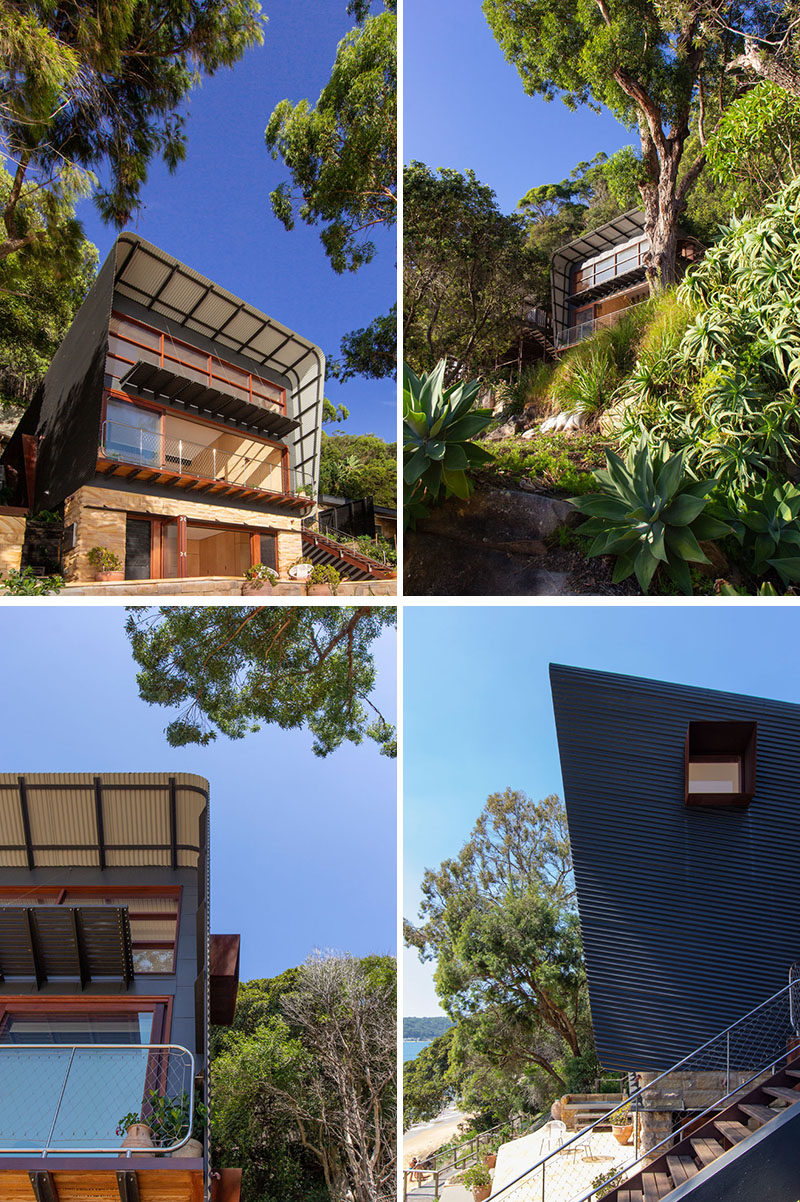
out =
column 605, row 273
column 60, row 1099
column 585, row 329
column 147, row 360
column 137, row 453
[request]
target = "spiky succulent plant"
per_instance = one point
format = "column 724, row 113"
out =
column 649, row 512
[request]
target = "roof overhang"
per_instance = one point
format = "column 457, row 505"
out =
column 110, row 820
column 223, row 971
column 78, row 943
column 593, row 242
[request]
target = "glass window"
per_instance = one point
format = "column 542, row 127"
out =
column 715, row 775
column 132, row 434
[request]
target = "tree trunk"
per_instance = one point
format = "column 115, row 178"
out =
column 767, row 66
column 662, row 208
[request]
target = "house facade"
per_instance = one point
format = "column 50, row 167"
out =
column 595, row 278
column 108, row 980
column 177, row 426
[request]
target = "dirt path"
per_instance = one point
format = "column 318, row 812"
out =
column 421, row 1141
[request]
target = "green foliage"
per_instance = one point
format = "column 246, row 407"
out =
column 476, row 1178
column 379, row 547
column 560, row 462
column 428, row 1086
column 755, row 148
column 767, row 524
column 342, row 154
column 499, row 920
column 466, row 272
column 586, row 378
column 84, row 89
column 357, row 466
column 262, row 573
column 650, row 513
column 232, row 669
column 600, row 1183
column 324, row 573
column 41, row 289
column 26, row 584
column 596, row 55
column 333, row 413
column 284, row 1078
column 438, row 424
column 726, row 396
column 103, row 560
column 370, row 352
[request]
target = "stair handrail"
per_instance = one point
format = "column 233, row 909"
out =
column 785, row 990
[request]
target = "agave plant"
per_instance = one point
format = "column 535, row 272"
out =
column 438, row 424
column 767, row 524
column 649, row 512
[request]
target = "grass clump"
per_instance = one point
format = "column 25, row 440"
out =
column 555, row 462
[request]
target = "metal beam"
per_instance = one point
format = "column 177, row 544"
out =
column 26, row 822
column 128, row 1186
column 33, row 948
column 98, row 811
column 80, row 950
column 44, row 1187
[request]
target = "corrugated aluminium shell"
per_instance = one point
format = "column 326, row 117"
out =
column 690, row 916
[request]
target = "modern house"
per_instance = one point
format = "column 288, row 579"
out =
column 684, row 822
column 108, row 981
column 595, row 278
column 177, row 426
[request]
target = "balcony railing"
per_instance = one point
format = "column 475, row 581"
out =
column 609, row 267
column 62, row 1098
column 161, row 452
column 585, row 329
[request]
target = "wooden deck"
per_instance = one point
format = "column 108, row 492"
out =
column 75, row 1179
column 198, row 484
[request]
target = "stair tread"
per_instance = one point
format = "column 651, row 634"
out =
column 782, row 1092
column 706, row 1148
column 764, row 1114
column 681, row 1168
column 732, row 1131
column 792, row 1072
column 630, row 1195
column 655, row 1185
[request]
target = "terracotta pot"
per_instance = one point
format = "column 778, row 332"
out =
column 490, row 1160
column 138, row 1136
column 622, row 1134
column 104, row 577
column 256, row 588
column 481, row 1192
column 319, row 590
column 192, row 1148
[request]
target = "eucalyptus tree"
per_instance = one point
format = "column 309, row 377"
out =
column 660, row 68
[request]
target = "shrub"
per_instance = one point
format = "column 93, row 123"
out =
column 25, row 584
column 103, row 560
column 438, row 424
column 649, row 513
column 767, row 525
column 261, row 572
column 324, row 573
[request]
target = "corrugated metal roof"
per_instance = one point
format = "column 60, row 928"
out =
column 64, row 824
column 690, row 916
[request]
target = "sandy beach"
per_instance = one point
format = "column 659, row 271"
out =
column 425, row 1138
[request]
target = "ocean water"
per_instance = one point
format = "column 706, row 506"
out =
column 412, row 1047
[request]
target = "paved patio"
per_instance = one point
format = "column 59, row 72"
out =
column 568, row 1175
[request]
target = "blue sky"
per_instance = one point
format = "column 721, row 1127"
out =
column 464, row 106
column 303, row 849
column 214, row 212
column 478, row 715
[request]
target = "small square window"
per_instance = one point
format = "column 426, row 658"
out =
column 720, row 763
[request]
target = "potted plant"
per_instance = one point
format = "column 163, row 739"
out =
column 107, row 565
column 479, row 1180
column 169, row 1121
column 258, row 579
column 323, row 581
column 135, row 1131
column 621, row 1121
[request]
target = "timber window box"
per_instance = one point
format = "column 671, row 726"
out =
column 720, row 764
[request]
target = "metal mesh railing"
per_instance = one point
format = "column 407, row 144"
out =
column 585, row 329
column 95, row 1098
column 702, row 1083
column 164, row 452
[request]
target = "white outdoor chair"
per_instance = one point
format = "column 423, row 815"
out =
column 582, row 1145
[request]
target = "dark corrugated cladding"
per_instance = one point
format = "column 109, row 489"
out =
column 690, row 916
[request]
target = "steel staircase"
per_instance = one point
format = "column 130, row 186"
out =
column 348, row 560
column 757, row 1064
